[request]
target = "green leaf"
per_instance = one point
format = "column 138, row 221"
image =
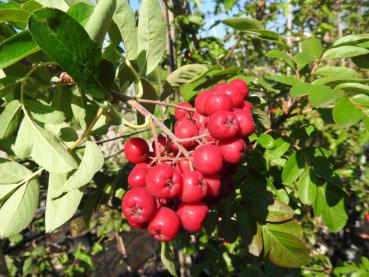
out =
column 125, row 19
column 66, row 42
column 60, row 210
column 329, row 70
column 329, row 203
column 344, row 52
column 14, row 15
column 320, row 96
column 282, row 55
column 281, row 147
column 300, row 89
column 361, row 61
column 306, row 188
column 345, row 113
column 43, row 112
column 185, row 74
column 16, row 48
column 81, row 12
column 12, row 172
column 365, row 118
column 302, row 59
column 9, row 119
column 151, row 33
column 279, row 212
column 360, row 99
column 266, row 141
column 58, row 4
column 287, row 80
column 286, row 250
column 351, row 39
column 18, row 210
column 293, row 168
column 43, row 147
column 313, row 47
column 31, row 6
column 99, row 21
column 353, row 88
column 92, row 162
column 262, row 117
column 167, row 259
column 7, row 85
column 243, row 24
column 335, row 80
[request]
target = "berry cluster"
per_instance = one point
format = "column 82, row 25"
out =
column 170, row 189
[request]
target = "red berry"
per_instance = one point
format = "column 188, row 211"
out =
column 165, row 225
column 233, row 150
column 208, row 159
column 179, row 113
column 214, row 185
column 245, row 121
column 241, row 84
column 200, row 101
column 136, row 150
column 223, row 125
column 200, row 121
column 137, row 176
column 183, row 166
column 138, row 205
column 194, row 187
column 192, row 216
column 220, row 87
column 217, row 102
column 185, row 128
column 163, row 181
column 136, row 225
column 236, row 94
column 246, row 106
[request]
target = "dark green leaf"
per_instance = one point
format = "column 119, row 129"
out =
column 243, row 24
column 16, row 48
column 262, row 117
column 8, row 84
column 345, row 113
column 65, row 40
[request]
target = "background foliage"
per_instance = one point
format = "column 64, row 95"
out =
column 301, row 203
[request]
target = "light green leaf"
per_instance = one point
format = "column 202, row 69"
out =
column 351, row 39
column 125, row 19
column 313, row 47
column 300, row 89
column 60, row 210
column 266, row 141
column 365, row 118
column 243, row 23
column 282, row 55
column 353, row 88
column 167, row 258
column 360, row 99
column 43, row 112
column 279, row 212
column 12, row 172
column 281, row 147
column 185, row 74
column 151, row 33
column 345, row 113
column 335, row 80
column 9, row 119
column 81, row 12
column 18, row 210
column 16, row 48
column 65, row 40
column 92, row 162
column 306, row 188
column 293, row 168
column 329, row 70
column 7, row 85
column 302, row 59
column 43, row 147
column 58, row 4
column 344, row 52
column 14, row 15
column 98, row 23
column 320, row 96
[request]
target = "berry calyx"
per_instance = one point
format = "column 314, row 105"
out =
column 165, row 225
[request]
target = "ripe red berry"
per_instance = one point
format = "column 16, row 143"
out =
column 214, row 185
column 246, row 106
column 180, row 113
column 233, row 150
column 217, row 102
column 208, row 159
column 223, row 125
column 137, row 176
column 246, row 122
column 185, row 128
column 192, row 216
column 194, row 187
column 136, row 225
column 241, row 84
column 236, row 94
column 221, row 87
column 200, row 121
column 200, row 101
column 183, row 166
column 165, row 225
column 138, row 205
column 136, row 150
column 163, row 181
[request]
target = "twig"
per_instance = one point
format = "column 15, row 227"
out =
column 193, row 138
column 234, row 46
column 122, row 249
column 156, row 142
column 148, row 101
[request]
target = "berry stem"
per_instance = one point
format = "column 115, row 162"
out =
column 155, row 102
column 193, row 138
column 156, row 142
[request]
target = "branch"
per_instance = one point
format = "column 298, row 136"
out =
column 148, row 101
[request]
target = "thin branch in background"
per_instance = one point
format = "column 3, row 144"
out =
column 122, row 249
